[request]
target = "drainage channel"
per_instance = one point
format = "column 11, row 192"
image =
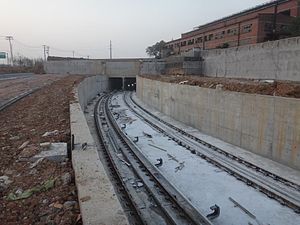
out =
column 151, row 198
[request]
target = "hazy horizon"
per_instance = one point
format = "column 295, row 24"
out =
column 86, row 27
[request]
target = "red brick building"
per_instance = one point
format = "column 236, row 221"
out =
column 248, row 27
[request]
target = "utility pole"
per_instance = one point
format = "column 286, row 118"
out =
column 7, row 58
column 73, row 54
column 47, row 51
column 275, row 22
column 10, row 38
column 45, row 58
column 110, row 50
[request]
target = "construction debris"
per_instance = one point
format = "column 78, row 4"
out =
column 136, row 139
column 36, row 163
column 29, row 192
column 215, row 213
column 160, row 162
column 236, row 204
column 122, row 160
column 45, row 145
column 50, row 133
column 84, row 146
column 55, row 152
column 154, row 146
column 183, row 82
column 180, row 167
column 147, row 135
column 23, row 145
column 171, row 157
column 4, row 182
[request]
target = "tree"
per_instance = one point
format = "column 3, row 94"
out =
column 29, row 65
column 294, row 28
column 156, row 49
column 224, row 45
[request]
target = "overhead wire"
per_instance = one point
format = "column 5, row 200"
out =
column 25, row 45
column 76, row 53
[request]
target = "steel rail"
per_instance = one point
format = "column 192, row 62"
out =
column 214, row 148
column 123, row 195
column 11, row 101
column 285, row 197
column 172, row 203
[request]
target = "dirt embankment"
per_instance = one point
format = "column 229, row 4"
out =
column 264, row 87
column 14, row 87
column 27, row 121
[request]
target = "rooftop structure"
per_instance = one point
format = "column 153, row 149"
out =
column 265, row 22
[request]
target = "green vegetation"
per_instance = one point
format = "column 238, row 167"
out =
column 224, row 45
column 156, row 49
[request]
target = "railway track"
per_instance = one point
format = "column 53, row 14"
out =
column 11, row 101
column 284, row 191
column 149, row 196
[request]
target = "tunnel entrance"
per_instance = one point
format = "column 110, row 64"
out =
column 115, row 83
column 130, row 84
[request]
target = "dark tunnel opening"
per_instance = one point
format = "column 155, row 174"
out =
column 115, row 83
column 130, row 84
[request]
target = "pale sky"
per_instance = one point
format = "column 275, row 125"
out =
column 86, row 26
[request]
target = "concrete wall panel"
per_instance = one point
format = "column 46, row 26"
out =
column 90, row 87
column 266, row 125
column 270, row 60
column 81, row 67
column 112, row 68
column 91, row 179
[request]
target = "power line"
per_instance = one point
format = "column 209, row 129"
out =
column 25, row 45
column 46, row 48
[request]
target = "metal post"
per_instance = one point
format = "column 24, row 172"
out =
column 110, row 50
column 44, row 52
column 239, row 34
column 275, row 21
column 10, row 38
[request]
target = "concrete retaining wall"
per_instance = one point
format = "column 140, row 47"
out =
column 112, row 68
column 270, row 60
column 80, row 67
column 266, row 125
column 90, row 87
column 97, row 198
column 152, row 67
column 122, row 68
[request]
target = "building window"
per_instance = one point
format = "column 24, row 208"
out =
column 284, row 28
column 233, row 31
column 210, row 37
column 247, row 28
column 268, row 27
column 191, row 42
column 286, row 12
column 220, row 35
column 199, row 40
column 183, row 43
